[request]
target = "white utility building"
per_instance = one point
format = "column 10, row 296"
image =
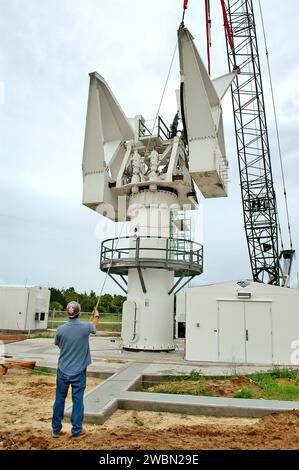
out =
column 24, row 309
column 243, row 323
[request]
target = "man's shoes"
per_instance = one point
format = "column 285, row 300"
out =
column 82, row 434
column 57, row 434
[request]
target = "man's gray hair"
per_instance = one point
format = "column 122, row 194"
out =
column 73, row 309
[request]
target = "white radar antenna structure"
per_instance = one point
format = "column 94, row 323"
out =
column 141, row 176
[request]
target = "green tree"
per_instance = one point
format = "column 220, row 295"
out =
column 56, row 306
column 108, row 303
column 70, row 294
column 57, row 296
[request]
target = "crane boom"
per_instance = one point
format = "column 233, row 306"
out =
column 257, row 188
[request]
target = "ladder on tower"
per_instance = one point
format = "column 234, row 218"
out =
column 180, row 234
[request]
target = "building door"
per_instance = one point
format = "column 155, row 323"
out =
column 258, row 326
column 231, row 332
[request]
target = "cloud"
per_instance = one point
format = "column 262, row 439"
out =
column 49, row 48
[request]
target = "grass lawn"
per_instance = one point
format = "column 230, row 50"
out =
column 280, row 384
column 46, row 334
column 101, row 327
column 111, row 317
column 108, row 321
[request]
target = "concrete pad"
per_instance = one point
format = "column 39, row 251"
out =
column 43, row 350
column 107, row 355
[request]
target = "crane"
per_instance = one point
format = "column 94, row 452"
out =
column 269, row 263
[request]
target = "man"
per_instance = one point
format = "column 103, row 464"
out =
column 174, row 126
column 72, row 338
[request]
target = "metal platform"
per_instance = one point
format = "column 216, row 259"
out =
column 183, row 257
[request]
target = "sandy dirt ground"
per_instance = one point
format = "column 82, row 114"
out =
column 26, row 410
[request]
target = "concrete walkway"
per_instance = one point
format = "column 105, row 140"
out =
column 125, row 370
column 208, row 406
column 118, row 393
column 102, row 401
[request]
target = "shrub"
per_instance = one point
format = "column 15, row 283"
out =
column 244, row 393
column 284, row 374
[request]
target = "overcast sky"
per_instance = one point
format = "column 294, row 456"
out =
column 48, row 48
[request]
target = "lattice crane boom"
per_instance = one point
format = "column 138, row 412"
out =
column 256, row 178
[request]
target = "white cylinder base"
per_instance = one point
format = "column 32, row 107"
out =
column 148, row 317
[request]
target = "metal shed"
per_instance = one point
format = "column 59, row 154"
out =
column 243, row 323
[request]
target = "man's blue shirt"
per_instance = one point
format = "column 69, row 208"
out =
column 72, row 338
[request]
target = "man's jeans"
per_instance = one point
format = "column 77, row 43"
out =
column 78, row 383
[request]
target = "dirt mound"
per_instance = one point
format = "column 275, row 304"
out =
column 229, row 388
column 273, row 432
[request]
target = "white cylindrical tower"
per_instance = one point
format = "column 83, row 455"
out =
column 149, row 309
column 151, row 258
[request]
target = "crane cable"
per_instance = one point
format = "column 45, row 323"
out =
column 185, row 7
column 208, row 33
column 164, row 90
column 154, row 125
column 95, row 309
column 277, row 127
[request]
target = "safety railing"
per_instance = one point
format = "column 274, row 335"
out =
column 160, row 129
column 119, row 254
